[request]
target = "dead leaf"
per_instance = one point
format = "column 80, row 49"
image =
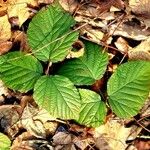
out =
column 5, row 47
column 111, row 136
column 62, row 138
column 20, row 36
column 19, row 9
column 78, row 52
column 69, row 5
column 3, row 89
column 140, row 52
column 8, row 116
column 106, row 5
column 45, row 1
column 122, row 45
column 5, row 29
column 128, row 30
column 141, row 10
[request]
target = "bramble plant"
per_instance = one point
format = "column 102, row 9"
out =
column 51, row 38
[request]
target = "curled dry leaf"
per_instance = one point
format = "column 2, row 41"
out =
column 122, row 45
column 141, row 10
column 93, row 35
column 140, row 52
column 112, row 136
column 126, row 29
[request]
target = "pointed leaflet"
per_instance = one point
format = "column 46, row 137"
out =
column 49, row 34
column 93, row 110
column 57, row 95
column 5, row 142
column 87, row 69
column 19, row 72
column 129, row 87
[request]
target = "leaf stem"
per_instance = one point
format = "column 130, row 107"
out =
column 48, row 67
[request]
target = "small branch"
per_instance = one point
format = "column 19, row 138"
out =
column 47, row 70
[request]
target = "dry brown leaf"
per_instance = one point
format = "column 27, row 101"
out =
column 129, row 31
column 141, row 9
column 19, row 9
column 111, row 136
column 5, row 47
column 45, row 1
column 31, row 122
column 140, row 52
column 69, row 5
column 8, row 116
column 122, row 45
column 62, row 138
column 20, row 36
column 5, row 29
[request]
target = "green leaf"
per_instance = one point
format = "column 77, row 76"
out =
column 57, row 95
column 129, row 87
column 4, row 142
column 87, row 69
column 19, row 71
column 49, row 34
column 93, row 110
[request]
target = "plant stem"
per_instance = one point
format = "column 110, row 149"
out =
column 47, row 70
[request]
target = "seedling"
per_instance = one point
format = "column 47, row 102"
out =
column 51, row 38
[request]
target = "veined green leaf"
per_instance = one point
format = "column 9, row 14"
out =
column 93, row 110
column 49, row 34
column 4, row 142
column 57, row 95
column 129, row 87
column 19, row 72
column 87, row 69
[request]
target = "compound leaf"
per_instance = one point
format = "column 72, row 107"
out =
column 49, row 34
column 93, row 110
column 4, row 142
column 129, row 87
column 87, row 69
column 57, row 95
column 19, row 71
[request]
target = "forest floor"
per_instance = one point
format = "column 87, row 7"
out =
column 122, row 27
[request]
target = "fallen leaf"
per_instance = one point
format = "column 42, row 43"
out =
column 126, row 29
column 111, row 136
column 20, row 9
column 122, row 45
column 5, row 47
column 3, row 89
column 8, row 116
column 45, row 1
column 140, row 52
column 69, row 5
column 21, row 37
column 78, row 50
column 141, row 10
column 5, row 29
column 62, row 138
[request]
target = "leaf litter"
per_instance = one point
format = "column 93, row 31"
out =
column 123, row 28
